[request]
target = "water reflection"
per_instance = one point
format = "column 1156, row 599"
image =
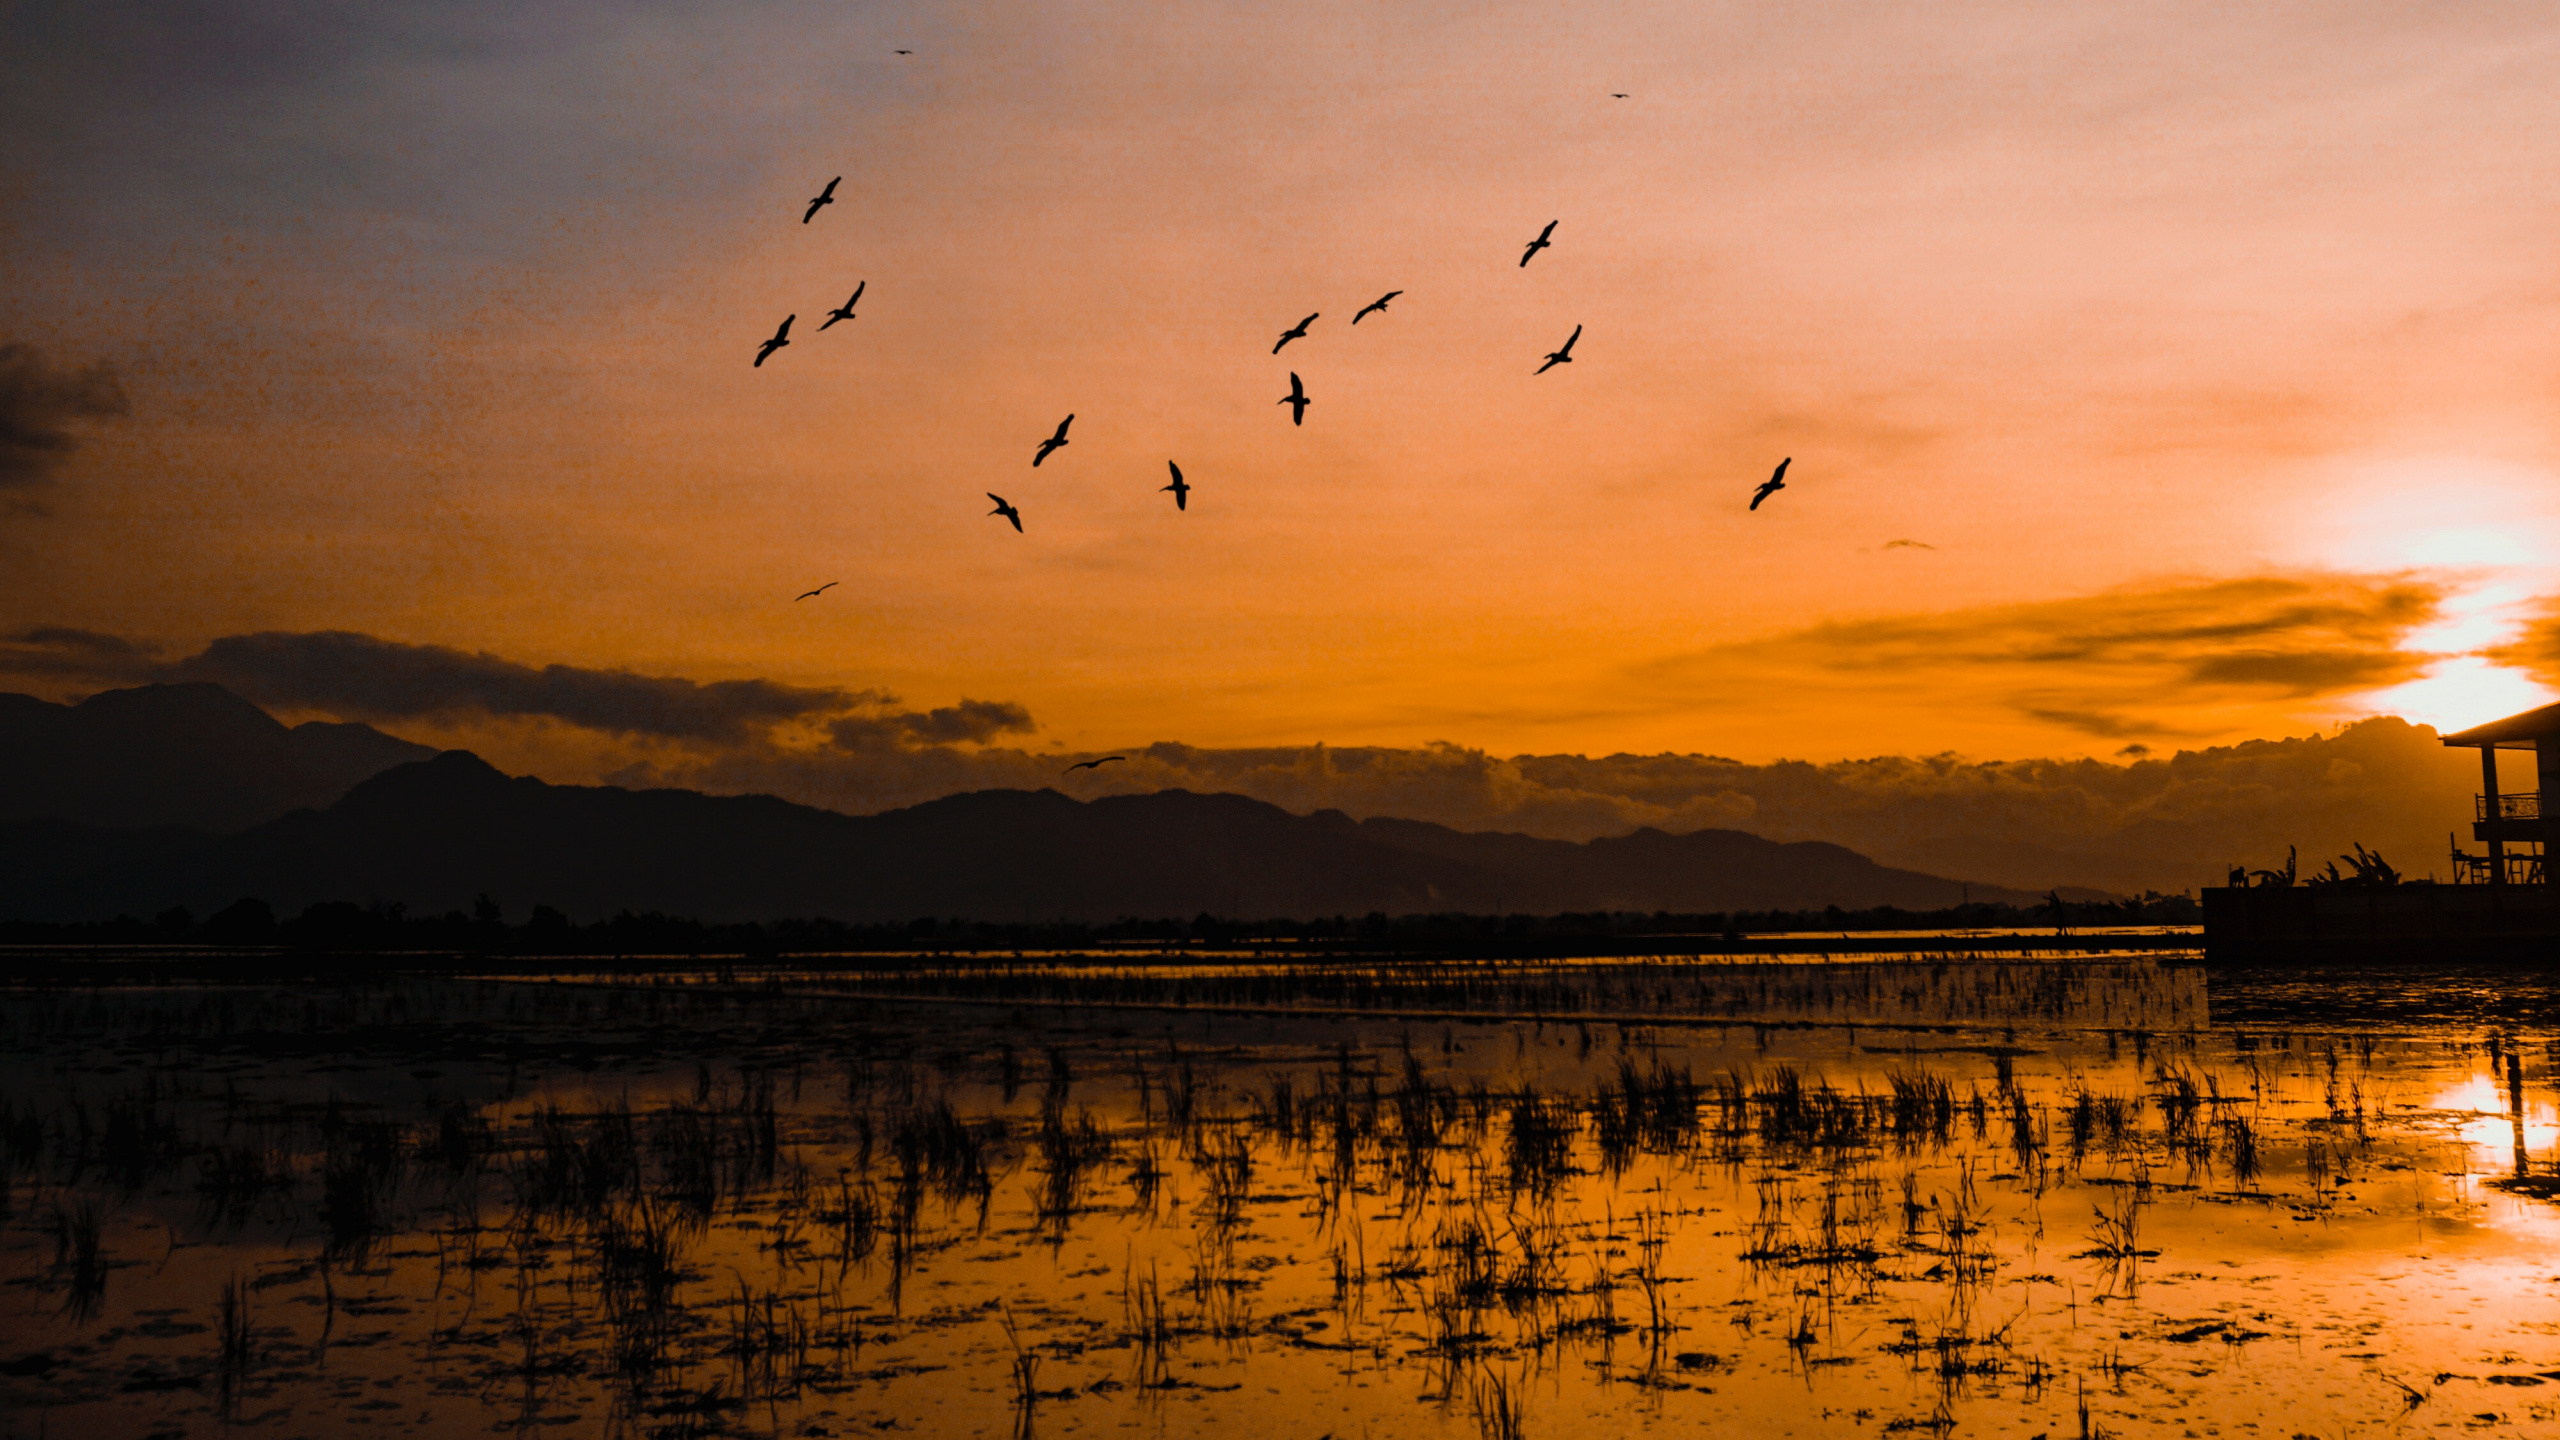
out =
column 1914, row 1196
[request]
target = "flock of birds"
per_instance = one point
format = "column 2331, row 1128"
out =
column 1297, row 399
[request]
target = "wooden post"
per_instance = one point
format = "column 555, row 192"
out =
column 2546, row 769
column 2489, row 802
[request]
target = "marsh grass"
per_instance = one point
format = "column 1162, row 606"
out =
column 234, row 1347
column 1496, row 1401
column 1025, row 1372
column 79, row 1258
column 713, row 1250
column 1069, row 1152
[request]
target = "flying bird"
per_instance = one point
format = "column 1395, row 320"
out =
column 1297, row 400
column 1375, row 306
column 824, row 199
column 1005, row 510
column 1775, row 483
column 1538, row 244
column 1091, row 764
column 1294, row 332
column 845, row 311
column 1181, row 492
column 1053, row 442
column 780, row 338
column 1617, row 94
column 906, row 52
column 821, row 590
column 1563, row 356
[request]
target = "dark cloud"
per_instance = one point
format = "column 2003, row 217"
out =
column 2181, row 625
column 39, row 402
column 2165, row 823
column 2106, row 665
column 2536, row 650
column 357, row 676
column 2105, row 727
column 361, row 677
column 57, row 651
column 2310, row 672
column 973, row 722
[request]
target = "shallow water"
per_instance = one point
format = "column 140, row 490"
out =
column 1893, row 1197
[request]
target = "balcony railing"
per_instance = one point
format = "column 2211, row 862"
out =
column 2523, row 805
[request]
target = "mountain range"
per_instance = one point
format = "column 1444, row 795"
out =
column 435, row 833
column 194, row 755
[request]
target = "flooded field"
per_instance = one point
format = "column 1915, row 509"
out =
column 1881, row 1196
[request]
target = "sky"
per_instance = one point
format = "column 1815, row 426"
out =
column 2156, row 377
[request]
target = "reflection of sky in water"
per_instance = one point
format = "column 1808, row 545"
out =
column 2351, row 1249
column 2492, row 1135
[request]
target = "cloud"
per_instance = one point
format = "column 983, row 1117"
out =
column 2179, row 625
column 59, row 652
column 2536, row 649
column 2107, row 664
column 2156, row 823
column 2105, row 727
column 971, row 721
column 39, row 401
column 362, row 677
column 2310, row 672
column 1908, row 545
column 976, row 721
column 359, row 676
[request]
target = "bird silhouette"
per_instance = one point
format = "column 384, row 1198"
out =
column 1375, row 306
column 780, row 338
column 1005, row 510
column 906, row 52
column 1563, row 356
column 1297, row 400
column 1294, row 332
column 821, row 590
column 1538, row 244
column 824, row 199
column 1617, row 94
column 845, row 311
column 1775, row 483
column 1181, row 492
column 1091, row 764
column 1053, row 442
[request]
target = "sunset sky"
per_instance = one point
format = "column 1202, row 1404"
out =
column 2205, row 356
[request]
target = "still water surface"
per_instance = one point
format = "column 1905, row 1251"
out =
column 1888, row 1196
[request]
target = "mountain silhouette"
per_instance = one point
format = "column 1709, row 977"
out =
column 193, row 755
column 436, row 833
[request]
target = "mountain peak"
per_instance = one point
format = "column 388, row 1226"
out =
column 191, row 754
column 191, row 702
column 447, row 773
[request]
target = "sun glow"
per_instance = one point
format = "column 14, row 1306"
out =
column 2458, row 693
column 2436, row 514
column 2488, row 534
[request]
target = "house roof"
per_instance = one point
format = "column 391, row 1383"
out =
column 2516, row 732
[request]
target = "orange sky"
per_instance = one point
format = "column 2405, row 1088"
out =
column 2209, row 352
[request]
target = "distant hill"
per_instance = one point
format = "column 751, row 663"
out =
column 436, row 833
column 191, row 755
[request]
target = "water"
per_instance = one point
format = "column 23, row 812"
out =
column 1907, row 1196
